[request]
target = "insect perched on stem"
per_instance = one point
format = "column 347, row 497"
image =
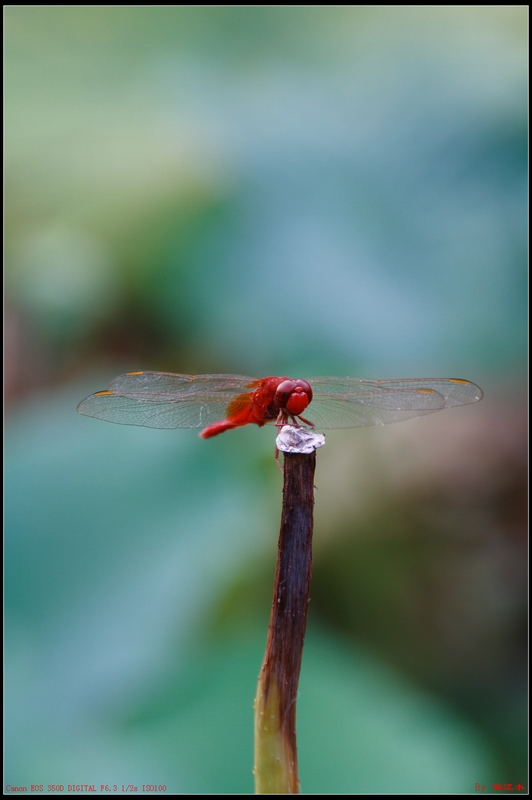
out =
column 219, row 403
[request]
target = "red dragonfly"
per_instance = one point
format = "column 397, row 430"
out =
column 219, row 403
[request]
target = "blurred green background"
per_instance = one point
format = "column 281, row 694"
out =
column 265, row 190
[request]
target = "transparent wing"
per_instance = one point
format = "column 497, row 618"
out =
column 349, row 402
column 165, row 400
column 157, row 382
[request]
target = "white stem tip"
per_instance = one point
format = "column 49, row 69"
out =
column 298, row 440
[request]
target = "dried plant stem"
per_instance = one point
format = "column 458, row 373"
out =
column 275, row 705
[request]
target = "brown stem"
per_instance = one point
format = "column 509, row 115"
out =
column 275, row 707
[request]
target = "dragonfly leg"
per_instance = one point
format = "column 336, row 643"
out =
column 279, row 422
column 281, row 419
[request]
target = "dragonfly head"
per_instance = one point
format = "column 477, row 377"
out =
column 293, row 396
